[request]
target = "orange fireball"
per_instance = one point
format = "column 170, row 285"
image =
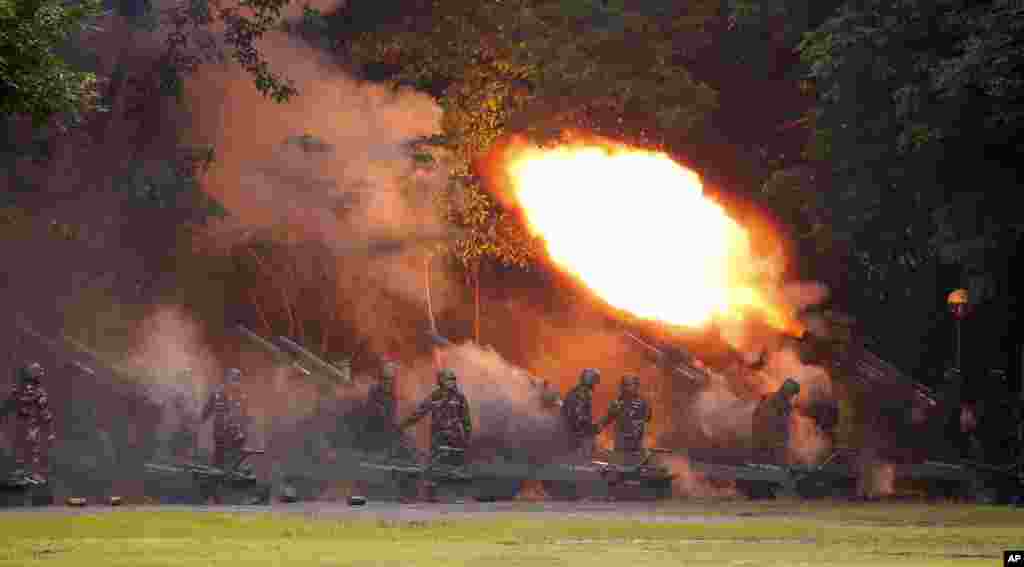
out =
column 636, row 229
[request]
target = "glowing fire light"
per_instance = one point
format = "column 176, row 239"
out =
column 635, row 227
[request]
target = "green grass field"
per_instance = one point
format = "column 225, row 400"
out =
column 735, row 534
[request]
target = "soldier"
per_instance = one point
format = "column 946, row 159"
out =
column 631, row 414
column 380, row 408
column 771, row 422
column 34, row 426
column 227, row 405
column 577, row 411
column 450, row 423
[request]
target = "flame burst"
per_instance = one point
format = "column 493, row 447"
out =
column 636, row 229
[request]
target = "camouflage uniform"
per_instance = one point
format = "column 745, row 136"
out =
column 227, row 405
column 577, row 412
column 380, row 409
column 631, row 414
column 771, row 422
column 31, row 406
column 450, row 423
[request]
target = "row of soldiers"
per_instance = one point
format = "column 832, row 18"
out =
column 35, row 428
column 448, row 408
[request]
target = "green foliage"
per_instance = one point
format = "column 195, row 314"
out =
column 537, row 68
column 202, row 31
column 174, row 184
column 35, row 80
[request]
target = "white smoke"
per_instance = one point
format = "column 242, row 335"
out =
column 505, row 405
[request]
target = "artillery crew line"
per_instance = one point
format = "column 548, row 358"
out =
column 454, row 466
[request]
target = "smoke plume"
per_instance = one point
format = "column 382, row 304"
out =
column 332, row 166
column 506, row 404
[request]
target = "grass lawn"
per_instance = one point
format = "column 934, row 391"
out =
column 776, row 533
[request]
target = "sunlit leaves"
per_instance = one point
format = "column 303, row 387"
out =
column 537, row 68
column 201, row 31
column 35, row 81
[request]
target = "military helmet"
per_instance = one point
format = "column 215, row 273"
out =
column 32, row 372
column 233, row 376
column 590, row 377
column 445, row 375
column 790, row 387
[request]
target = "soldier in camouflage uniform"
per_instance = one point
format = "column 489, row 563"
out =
column 577, row 412
column 771, row 422
column 34, row 425
column 450, row 422
column 631, row 414
column 380, row 409
column 227, row 405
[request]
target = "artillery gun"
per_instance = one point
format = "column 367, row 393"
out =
column 235, row 484
column 18, row 487
column 400, row 470
column 639, row 476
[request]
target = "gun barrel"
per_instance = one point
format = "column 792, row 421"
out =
column 154, row 467
column 260, row 341
column 299, row 350
column 686, row 370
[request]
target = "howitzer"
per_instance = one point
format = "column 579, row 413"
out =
column 21, row 480
column 279, row 355
column 644, row 467
column 67, row 349
column 235, row 473
column 299, row 351
column 678, row 362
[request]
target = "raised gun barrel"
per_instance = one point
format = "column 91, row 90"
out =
column 680, row 364
column 300, row 351
column 279, row 355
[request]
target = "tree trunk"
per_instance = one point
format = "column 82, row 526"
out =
column 426, row 287
column 476, row 302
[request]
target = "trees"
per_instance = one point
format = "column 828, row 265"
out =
column 35, row 79
column 899, row 89
column 536, row 68
column 41, row 71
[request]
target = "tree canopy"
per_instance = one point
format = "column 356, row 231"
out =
column 42, row 75
column 35, row 79
column 913, row 102
column 537, row 68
